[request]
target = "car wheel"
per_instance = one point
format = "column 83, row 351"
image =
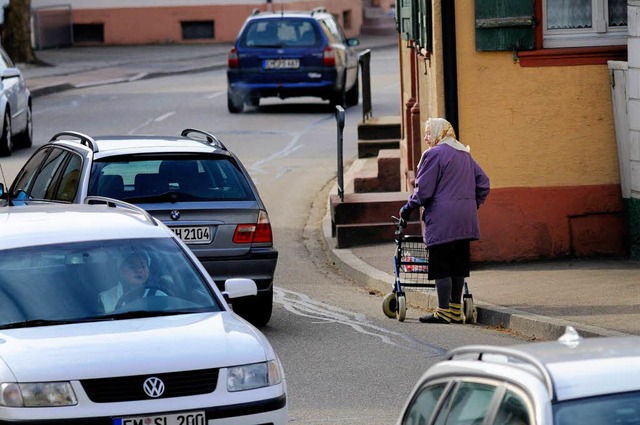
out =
column 25, row 138
column 257, row 310
column 254, row 101
column 234, row 104
column 6, row 142
column 353, row 94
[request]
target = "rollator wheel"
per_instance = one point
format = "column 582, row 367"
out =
column 389, row 305
column 469, row 309
column 402, row 308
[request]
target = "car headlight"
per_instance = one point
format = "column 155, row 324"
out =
column 251, row 376
column 37, row 394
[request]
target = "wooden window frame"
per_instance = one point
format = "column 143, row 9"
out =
column 567, row 56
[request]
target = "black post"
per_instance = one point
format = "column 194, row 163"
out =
column 365, row 60
column 450, row 64
column 340, row 123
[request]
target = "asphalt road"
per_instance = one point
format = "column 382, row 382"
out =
column 345, row 362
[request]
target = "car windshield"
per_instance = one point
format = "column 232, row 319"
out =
column 280, row 33
column 622, row 409
column 99, row 280
column 175, row 179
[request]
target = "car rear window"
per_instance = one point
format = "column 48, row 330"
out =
column 145, row 180
column 280, row 32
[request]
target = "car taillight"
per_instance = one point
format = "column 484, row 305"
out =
column 232, row 61
column 329, row 57
column 254, row 232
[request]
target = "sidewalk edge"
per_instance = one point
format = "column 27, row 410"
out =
column 532, row 326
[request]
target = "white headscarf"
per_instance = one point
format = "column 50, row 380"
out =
column 441, row 131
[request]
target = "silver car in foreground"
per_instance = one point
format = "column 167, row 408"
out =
column 571, row 381
column 106, row 317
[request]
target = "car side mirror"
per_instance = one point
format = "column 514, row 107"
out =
column 353, row 42
column 1, row 190
column 10, row 73
column 239, row 287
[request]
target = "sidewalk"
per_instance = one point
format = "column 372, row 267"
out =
column 599, row 297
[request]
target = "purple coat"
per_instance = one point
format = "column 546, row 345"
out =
column 450, row 186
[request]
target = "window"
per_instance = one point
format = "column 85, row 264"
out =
column 553, row 32
column 512, row 411
column 68, row 186
column 468, row 404
column 584, row 23
column 423, row 405
column 88, row 33
column 196, row 30
column 43, row 186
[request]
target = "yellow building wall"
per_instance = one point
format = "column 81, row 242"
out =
column 534, row 126
column 545, row 137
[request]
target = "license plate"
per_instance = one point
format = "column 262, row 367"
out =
column 282, row 64
column 196, row 234
column 190, row 418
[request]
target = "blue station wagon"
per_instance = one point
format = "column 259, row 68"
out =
column 292, row 54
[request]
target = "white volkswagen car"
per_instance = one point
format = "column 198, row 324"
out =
column 108, row 318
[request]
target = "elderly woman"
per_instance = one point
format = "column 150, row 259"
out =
column 450, row 186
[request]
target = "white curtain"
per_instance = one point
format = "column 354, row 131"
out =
column 618, row 13
column 568, row 14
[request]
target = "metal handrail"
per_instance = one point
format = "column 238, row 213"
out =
column 211, row 139
column 84, row 139
column 91, row 200
column 364, row 60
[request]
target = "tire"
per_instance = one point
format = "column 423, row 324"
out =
column 469, row 309
column 402, row 308
column 352, row 96
column 6, row 141
column 25, row 138
column 389, row 305
column 257, row 310
column 234, row 104
column 254, row 101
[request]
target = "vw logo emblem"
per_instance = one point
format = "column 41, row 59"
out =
column 153, row 387
column 175, row 215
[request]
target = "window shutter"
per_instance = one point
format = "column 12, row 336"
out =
column 407, row 19
column 505, row 25
column 424, row 24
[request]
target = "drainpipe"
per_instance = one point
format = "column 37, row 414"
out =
column 450, row 65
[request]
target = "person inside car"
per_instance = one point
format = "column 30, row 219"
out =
column 133, row 283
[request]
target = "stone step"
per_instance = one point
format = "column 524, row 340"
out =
column 370, row 148
column 387, row 127
column 386, row 176
column 350, row 235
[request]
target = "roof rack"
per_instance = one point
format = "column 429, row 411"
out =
column 211, row 139
column 319, row 9
column 481, row 350
column 84, row 139
column 113, row 203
